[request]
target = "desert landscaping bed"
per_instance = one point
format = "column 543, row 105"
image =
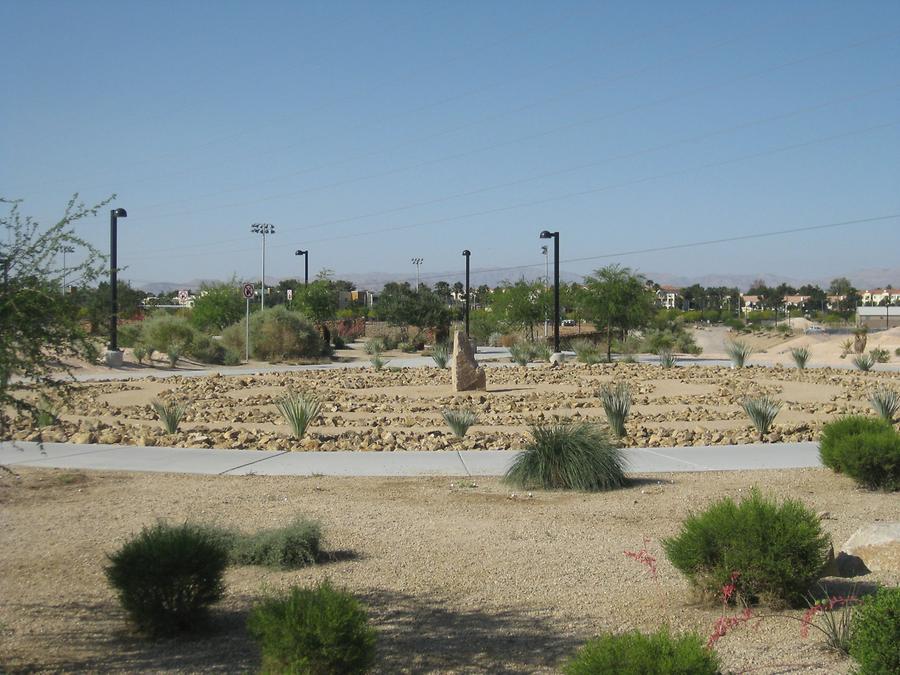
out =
column 457, row 576
column 401, row 409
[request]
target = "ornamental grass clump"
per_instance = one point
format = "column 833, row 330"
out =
column 616, row 401
column 762, row 412
column 459, row 421
column 440, row 353
column 738, row 352
column 520, row 353
column 865, row 448
column 666, row 358
column 778, row 550
column 800, row 356
column 168, row 576
column 170, row 414
column 864, row 362
column 299, row 410
column 875, row 639
column 297, row 544
column 587, row 351
column 377, row 362
column 313, row 630
column 886, row 402
column 634, row 653
column 568, row 456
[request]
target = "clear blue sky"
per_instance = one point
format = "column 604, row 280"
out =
column 371, row 132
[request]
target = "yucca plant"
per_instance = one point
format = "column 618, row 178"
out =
column 441, row 355
column 173, row 354
column 299, row 410
column 616, row 401
column 864, row 362
column 846, row 347
column 170, row 414
column 762, row 412
column 738, row 352
column 377, row 362
column 520, row 353
column 568, row 456
column 374, row 347
column 800, row 356
column 459, row 421
column 886, row 403
column 666, row 358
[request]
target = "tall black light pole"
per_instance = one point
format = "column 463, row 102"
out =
column 467, row 253
column 546, row 234
column 305, row 255
column 114, row 216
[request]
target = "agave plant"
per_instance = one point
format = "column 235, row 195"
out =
column 520, row 353
column 738, row 352
column 762, row 412
column 170, row 414
column 568, row 456
column 441, row 355
column 800, row 356
column 300, row 410
column 616, row 402
column 886, row 403
column 864, row 362
column 666, row 358
column 459, row 421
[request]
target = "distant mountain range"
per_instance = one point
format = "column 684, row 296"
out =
column 866, row 278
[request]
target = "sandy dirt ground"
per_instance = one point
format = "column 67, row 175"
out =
column 457, row 577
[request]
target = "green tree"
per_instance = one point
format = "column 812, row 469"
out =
column 618, row 299
column 401, row 305
column 95, row 305
column 218, row 306
column 318, row 300
column 522, row 305
column 40, row 324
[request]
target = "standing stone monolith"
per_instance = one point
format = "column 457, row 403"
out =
column 467, row 374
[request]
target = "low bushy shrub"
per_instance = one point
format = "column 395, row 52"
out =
column 634, row 653
column 865, row 448
column 231, row 358
column 587, row 351
column 276, row 334
column 568, row 456
column 776, row 550
column 128, row 334
column 875, row 642
column 168, row 576
column 295, row 545
column 162, row 331
column 880, row 354
column 317, row 630
column 206, row 350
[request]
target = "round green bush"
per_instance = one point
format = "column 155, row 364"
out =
column 207, row 350
column 276, row 334
column 876, row 633
column 295, row 545
column 777, row 551
column 162, row 331
column 316, row 630
column 168, row 575
column 568, row 456
column 637, row 654
column 865, row 448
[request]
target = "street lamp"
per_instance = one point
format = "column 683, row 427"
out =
column 113, row 355
column 467, row 253
column 263, row 229
column 418, row 263
column 65, row 249
column 305, row 255
column 546, row 234
column 887, row 309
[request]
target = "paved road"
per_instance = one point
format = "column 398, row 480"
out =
column 445, row 463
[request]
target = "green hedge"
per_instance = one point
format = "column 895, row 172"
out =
column 637, row 654
column 865, row 448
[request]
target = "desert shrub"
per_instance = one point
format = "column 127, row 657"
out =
column 299, row 410
column 762, row 412
column 276, row 334
column 776, row 550
column 880, row 355
column 864, row 362
column 231, row 358
column 295, row 545
column 587, row 351
column 540, row 351
column 440, row 353
column 459, row 421
column 800, row 356
column 616, row 401
column 338, row 341
column 168, row 576
column 666, row 358
column 494, row 339
column 173, row 354
column 886, row 402
column 866, row 449
column 139, row 352
column 170, row 414
column 634, row 653
column 839, row 434
column 569, row 456
column 875, row 641
column 207, row 350
column 738, row 352
column 407, row 347
column 128, row 334
column 316, row 630
column 161, row 331
column 46, row 413
column 377, row 362
column 375, row 346
column 520, row 354
column 897, row 351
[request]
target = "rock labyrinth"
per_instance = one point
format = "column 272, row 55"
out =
column 401, row 409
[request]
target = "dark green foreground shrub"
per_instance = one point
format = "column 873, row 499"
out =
column 638, row 654
column 778, row 551
column 167, row 576
column 295, row 545
column 569, row 456
column 864, row 448
column 876, row 633
column 317, row 630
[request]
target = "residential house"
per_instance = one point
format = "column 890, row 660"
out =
column 876, row 296
column 668, row 297
column 750, row 303
column 796, row 301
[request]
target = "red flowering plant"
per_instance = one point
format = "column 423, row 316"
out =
column 644, row 557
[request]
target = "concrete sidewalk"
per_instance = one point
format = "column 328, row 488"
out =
column 441, row 463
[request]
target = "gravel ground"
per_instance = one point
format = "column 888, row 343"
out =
column 457, row 577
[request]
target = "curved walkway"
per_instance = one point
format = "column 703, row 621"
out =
column 412, row 463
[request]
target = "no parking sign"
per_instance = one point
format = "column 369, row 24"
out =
column 248, row 291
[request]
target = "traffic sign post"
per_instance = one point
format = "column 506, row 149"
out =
column 248, row 291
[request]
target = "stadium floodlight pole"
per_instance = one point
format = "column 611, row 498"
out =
column 114, row 216
column 887, row 309
column 305, row 255
column 65, row 249
column 467, row 253
column 263, row 229
column 546, row 234
column 418, row 263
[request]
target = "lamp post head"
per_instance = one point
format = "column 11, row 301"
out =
column 119, row 213
column 547, row 234
column 467, row 253
column 301, row 252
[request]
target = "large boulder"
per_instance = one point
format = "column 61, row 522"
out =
column 878, row 545
column 467, row 374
